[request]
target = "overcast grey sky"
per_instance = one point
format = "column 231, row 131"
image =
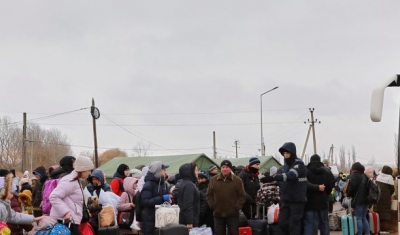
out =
column 172, row 72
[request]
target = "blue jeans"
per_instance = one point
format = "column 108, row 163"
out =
column 362, row 222
column 314, row 220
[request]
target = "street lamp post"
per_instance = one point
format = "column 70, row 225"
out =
column 262, row 137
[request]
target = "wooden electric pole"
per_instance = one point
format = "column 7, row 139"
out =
column 214, row 146
column 23, row 162
column 236, row 147
column 95, row 114
column 311, row 128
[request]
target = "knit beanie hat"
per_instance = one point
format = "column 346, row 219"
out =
column 253, row 160
column 315, row 158
column 67, row 163
column 83, row 164
column 202, row 174
column 226, row 163
column 212, row 167
column 40, row 171
column 273, row 171
column 135, row 173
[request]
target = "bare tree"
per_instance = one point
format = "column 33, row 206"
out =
column 110, row 154
column 353, row 153
column 141, row 149
column 342, row 158
column 349, row 160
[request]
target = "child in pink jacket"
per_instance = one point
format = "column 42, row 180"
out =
column 126, row 201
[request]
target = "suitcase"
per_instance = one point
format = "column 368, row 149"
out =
column 245, row 231
column 258, row 226
column 176, row 229
column 347, row 224
column 109, row 230
column 373, row 220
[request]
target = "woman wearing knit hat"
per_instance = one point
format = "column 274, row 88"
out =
column 251, row 184
column 383, row 206
column 41, row 177
column 67, row 198
column 358, row 190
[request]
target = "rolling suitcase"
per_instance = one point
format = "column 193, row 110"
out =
column 176, row 229
column 347, row 225
column 373, row 220
column 334, row 222
column 245, row 231
column 109, row 230
column 258, row 226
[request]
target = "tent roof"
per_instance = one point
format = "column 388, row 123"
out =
column 174, row 162
column 265, row 162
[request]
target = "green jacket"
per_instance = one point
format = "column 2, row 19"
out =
column 226, row 196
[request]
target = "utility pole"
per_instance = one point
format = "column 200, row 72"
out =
column 95, row 115
column 236, row 147
column 23, row 162
column 214, row 146
column 312, row 127
column 330, row 156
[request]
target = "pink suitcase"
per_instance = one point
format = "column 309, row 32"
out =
column 373, row 220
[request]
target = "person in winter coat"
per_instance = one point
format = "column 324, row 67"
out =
column 358, row 191
column 24, row 185
column 154, row 192
column 225, row 196
column 17, row 229
column 316, row 207
column 206, row 214
column 117, row 183
column 251, row 184
column 40, row 174
column 383, row 206
column 126, row 201
column 97, row 183
column 269, row 192
column 189, row 196
column 67, row 198
column 7, row 214
column 293, row 190
column 66, row 167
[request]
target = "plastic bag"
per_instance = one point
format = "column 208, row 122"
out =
column 203, row 230
column 166, row 214
column 273, row 214
column 86, row 229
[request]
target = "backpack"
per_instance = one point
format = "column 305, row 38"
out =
column 125, row 218
column 121, row 184
column 49, row 186
column 374, row 192
column 138, row 207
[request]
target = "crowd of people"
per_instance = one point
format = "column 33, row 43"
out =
column 75, row 193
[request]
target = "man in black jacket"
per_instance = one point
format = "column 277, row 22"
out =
column 316, row 206
column 293, row 190
column 251, row 184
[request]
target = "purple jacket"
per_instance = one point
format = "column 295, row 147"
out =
column 67, row 197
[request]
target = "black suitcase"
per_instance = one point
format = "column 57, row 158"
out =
column 259, row 226
column 109, row 230
column 177, row 229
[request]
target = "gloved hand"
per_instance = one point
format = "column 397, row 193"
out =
column 268, row 179
column 166, row 197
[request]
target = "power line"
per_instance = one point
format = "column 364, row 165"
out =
column 108, row 148
column 176, row 113
column 105, row 116
column 46, row 117
column 168, row 125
